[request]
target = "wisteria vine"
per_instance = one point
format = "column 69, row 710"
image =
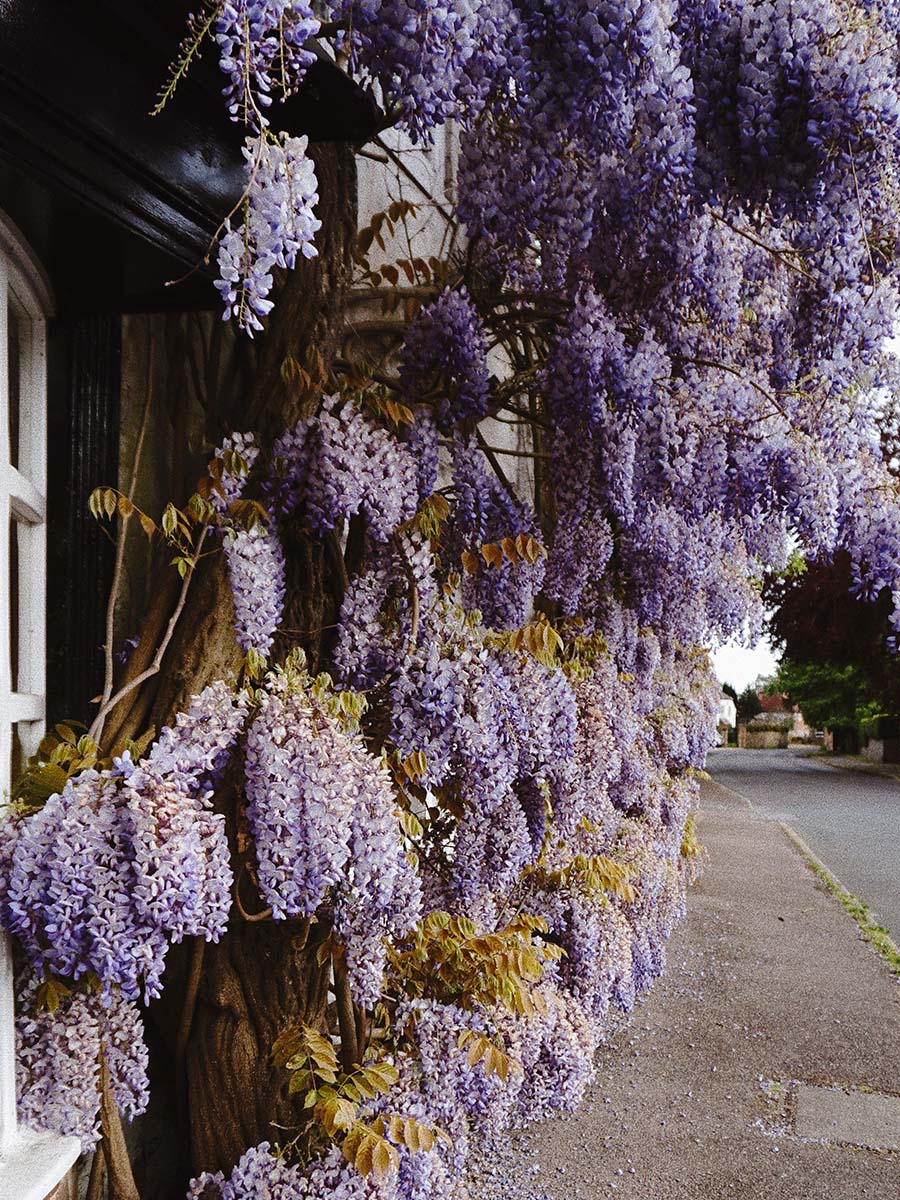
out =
column 678, row 276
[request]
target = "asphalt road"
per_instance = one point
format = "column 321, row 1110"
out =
column 850, row 820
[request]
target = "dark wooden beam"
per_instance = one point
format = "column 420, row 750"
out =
column 77, row 83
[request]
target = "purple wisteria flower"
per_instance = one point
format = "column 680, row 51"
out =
column 279, row 223
column 58, row 1061
column 323, row 816
column 262, row 47
column 446, row 350
column 342, row 462
column 124, row 861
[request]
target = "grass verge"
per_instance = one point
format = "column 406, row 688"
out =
column 872, row 932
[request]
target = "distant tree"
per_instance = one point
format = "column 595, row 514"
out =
column 830, row 695
column 748, row 704
column 821, row 625
column 729, row 690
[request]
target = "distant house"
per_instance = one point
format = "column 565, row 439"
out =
column 726, row 719
column 778, row 725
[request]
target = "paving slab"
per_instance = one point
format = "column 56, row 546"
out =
column 836, row 1114
column 769, row 988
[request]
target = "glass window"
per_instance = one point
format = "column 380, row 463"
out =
column 31, row 1165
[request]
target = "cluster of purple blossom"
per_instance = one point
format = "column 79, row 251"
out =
column 487, row 511
column 124, row 861
column 342, row 462
column 254, row 552
column 262, row 48
column 323, row 816
column 428, row 56
column 279, row 223
column 58, row 1061
column 445, row 352
column 395, row 587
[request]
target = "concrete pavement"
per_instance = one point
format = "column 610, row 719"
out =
column 769, row 992
column 850, row 819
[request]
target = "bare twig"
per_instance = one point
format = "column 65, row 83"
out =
column 96, row 728
column 266, row 913
column 862, row 222
column 492, row 459
column 518, row 453
column 781, row 256
column 122, row 531
column 414, row 179
column 379, row 158
column 414, row 602
column 525, row 416
column 738, row 374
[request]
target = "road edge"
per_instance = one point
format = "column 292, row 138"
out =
column 860, row 912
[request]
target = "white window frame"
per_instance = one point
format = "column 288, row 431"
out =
column 31, row 1163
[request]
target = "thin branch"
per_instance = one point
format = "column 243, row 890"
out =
column 96, row 728
column 414, row 179
column 379, row 158
column 122, row 532
column 492, row 459
column 526, row 417
column 414, row 602
column 862, row 222
column 738, row 374
column 780, row 255
column 518, row 453
column 266, row 913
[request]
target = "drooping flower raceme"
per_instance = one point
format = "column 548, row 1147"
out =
column 254, row 552
column 279, row 223
column 58, row 1061
column 124, row 861
column 446, row 350
column 262, row 47
column 342, row 462
column 322, row 815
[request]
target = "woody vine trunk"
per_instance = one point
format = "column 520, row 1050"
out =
column 225, row 1004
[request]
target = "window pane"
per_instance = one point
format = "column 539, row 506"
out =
column 14, row 375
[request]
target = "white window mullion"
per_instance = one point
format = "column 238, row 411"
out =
column 26, row 502
column 7, row 1015
column 31, row 1164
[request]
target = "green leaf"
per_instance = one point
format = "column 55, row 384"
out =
column 169, row 519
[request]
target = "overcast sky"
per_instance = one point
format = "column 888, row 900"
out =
column 738, row 666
